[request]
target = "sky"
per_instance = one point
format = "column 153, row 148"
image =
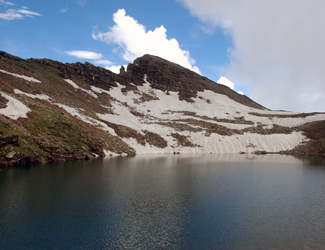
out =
column 270, row 50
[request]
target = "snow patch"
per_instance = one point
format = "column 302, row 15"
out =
column 82, row 89
column 98, row 90
column 37, row 96
column 86, row 119
column 123, row 117
column 27, row 78
column 15, row 109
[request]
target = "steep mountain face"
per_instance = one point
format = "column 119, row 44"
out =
column 51, row 111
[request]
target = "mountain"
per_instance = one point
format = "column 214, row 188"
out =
column 50, row 111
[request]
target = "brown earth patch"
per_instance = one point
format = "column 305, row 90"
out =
column 155, row 139
column 315, row 131
column 127, row 132
column 145, row 98
column 301, row 115
column 277, row 129
column 3, row 102
column 182, row 140
column 210, row 127
column 237, row 120
column 179, row 126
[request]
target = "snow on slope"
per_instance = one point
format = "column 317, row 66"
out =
column 27, row 78
column 148, row 109
column 220, row 106
column 231, row 144
column 87, row 119
column 15, row 109
column 37, row 96
column 168, row 108
column 72, row 111
column 82, row 89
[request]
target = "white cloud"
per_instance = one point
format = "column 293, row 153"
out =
column 81, row 3
column 64, row 10
column 28, row 13
column 7, row 3
column 240, row 92
column 83, row 54
column 115, row 68
column 104, row 62
column 134, row 41
column 224, row 81
column 13, row 14
column 278, row 48
column 96, row 57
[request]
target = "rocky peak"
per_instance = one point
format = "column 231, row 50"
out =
column 168, row 76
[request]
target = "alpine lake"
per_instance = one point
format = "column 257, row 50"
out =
column 225, row 201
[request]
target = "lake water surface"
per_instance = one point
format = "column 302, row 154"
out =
column 165, row 202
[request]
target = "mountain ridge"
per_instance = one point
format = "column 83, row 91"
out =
column 52, row 111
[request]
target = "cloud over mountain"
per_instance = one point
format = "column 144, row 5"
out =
column 83, row 54
column 224, row 81
column 134, row 40
column 278, row 48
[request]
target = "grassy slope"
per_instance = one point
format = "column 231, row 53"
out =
column 49, row 133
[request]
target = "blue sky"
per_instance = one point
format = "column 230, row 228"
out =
column 68, row 26
column 271, row 50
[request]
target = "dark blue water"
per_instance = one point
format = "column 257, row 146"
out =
column 165, row 202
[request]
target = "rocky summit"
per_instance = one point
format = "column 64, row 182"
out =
column 50, row 111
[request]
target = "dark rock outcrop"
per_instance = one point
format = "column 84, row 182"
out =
column 9, row 140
